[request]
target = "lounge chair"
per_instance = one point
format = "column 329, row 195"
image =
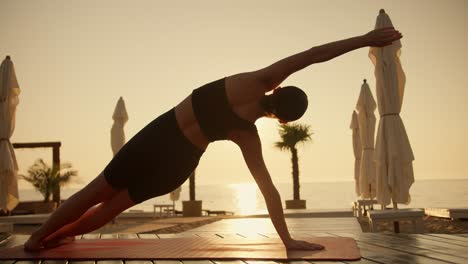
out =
column 452, row 213
column 413, row 215
column 218, row 212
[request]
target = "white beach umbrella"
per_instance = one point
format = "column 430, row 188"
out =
column 356, row 150
column 175, row 195
column 9, row 92
column 120, row 117
column 366, row 107
column 393, row 154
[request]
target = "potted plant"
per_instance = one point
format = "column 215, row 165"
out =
column 192, row 207
column 48, row 180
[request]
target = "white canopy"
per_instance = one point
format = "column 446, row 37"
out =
column 393, row 154
column 366, row 107
column 9, row 99
column 356, row 150
column 120, row 117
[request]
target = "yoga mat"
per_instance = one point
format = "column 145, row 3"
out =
column 336, row 248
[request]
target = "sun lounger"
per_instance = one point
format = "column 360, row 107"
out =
column 173, row 212
column 218, row 212
column 34, row 207
column 161, row 208
column 6, row 227
column 360, row 207
column 452, row 213
column 413, row 215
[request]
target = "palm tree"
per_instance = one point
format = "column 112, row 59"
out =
column 291, row 135
column 192, row 186
column 192, row 207
column 48, row 180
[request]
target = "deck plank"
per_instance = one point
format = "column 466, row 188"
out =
column 109, row 236
column 411, row 249
column 109, row 262
column 177, row 235
column 14, row 240
column 167, row 262
column 147, row 236
column 128, row 236
column 363, row 260
column 375, row 248
column 227, row 235
column 91, row 236
column 250, row 235
column 451, row 238
column 81, row 262
column 196, row 262
column 387, row 255
column 138, row 262
column 228, row 262
column 451, row 243
column 206, row 234
column 259, row 262
column 264, row 225
column 415, row 245
column 429, row 242
column 54, row 261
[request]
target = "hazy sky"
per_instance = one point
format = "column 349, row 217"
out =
column 74, row 59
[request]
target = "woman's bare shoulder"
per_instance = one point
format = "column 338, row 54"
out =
column 244, row 87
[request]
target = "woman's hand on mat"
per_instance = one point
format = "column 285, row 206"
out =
column 382, row 37
column 32, row 244
column 293, row 244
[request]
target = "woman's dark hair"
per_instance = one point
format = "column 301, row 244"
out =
column 288, row 103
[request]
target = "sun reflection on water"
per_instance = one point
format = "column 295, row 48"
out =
column 245, row 197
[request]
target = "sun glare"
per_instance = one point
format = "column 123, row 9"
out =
column 245, row 197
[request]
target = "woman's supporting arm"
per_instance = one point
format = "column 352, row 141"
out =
column 250, row 145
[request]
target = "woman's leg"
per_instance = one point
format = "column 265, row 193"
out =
column 94, row 218
column 72, row 209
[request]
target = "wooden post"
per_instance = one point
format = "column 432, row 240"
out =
column 56, row 166
column 396, row 224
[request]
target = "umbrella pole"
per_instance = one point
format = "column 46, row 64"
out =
column 370, row 197
column 396, row 224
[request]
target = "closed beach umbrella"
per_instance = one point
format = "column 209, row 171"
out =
column 356, row 150
column 120, row 117
column 393, row 154
column 9, row 92
column 366, row 107
column 175, row 195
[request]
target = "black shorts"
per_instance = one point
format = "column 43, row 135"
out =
column 156, row 161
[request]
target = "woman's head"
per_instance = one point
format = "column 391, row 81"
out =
column 287, row 103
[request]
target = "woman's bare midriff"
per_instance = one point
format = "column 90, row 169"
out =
column 188, row 123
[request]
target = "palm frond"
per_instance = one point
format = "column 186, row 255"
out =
column 46, row 179
column 291, row 134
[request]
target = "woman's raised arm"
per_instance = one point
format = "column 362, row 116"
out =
column 272, row 76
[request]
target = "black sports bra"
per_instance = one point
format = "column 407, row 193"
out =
column 213, row 112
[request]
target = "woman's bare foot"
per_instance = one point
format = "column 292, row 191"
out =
column 33, row 244
column 57, row 242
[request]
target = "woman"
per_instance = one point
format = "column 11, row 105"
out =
column 163, row 154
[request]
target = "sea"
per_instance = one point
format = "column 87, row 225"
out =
column 246, row 199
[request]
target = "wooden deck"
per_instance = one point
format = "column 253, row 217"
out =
column 375, row 247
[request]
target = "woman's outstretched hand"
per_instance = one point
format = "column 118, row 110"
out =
column 293, row 244
column 382, row 37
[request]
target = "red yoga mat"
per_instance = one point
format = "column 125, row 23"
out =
column 336, row 248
